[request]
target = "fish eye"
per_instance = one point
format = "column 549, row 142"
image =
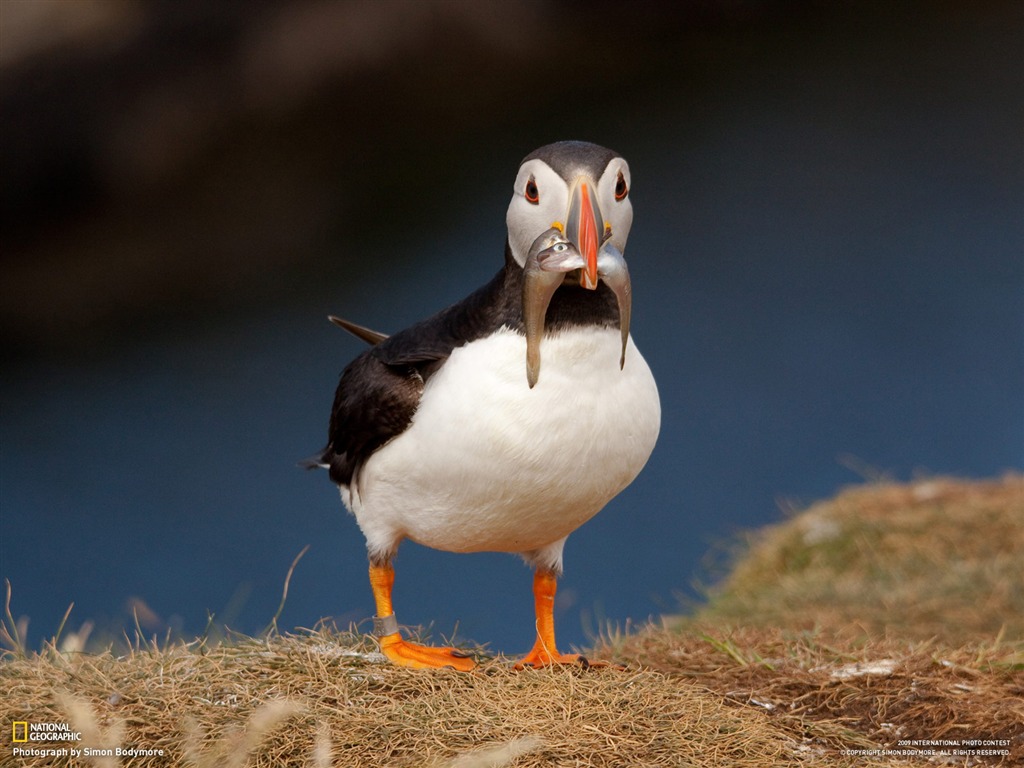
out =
column 559, row 247
column 621, row 190
column 532, row 193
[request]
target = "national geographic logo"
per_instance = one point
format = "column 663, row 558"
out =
column 23, row 732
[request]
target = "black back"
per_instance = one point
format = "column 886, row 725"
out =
column 380, row 390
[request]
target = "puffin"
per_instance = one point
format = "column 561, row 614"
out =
column 507, row 420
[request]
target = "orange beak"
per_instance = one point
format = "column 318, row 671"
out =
column 581, row 228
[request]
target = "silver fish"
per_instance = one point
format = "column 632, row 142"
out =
column 611, row 267
column 550, row 257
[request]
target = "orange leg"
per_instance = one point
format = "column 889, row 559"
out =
column 544, row 653
column 399, row 651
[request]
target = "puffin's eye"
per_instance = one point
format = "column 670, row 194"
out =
column 532, row 194
column 621, row 190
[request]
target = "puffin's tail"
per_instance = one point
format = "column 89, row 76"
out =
column 359, row 331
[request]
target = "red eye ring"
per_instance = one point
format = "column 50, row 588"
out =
column 621, row 190
column 531, row 193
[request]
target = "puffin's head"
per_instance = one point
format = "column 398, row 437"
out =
column 568, row 222
column 576, row 187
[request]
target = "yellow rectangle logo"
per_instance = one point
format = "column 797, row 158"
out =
column 19, row 727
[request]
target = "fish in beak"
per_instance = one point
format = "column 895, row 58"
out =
column 612, row 269
column 551, row 256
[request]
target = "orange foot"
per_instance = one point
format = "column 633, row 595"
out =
column 541, row 658
column 406, row 654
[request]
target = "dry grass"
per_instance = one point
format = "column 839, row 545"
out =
column 324, row 699
column 840, row 692
column 901, row 619
column 701, row 698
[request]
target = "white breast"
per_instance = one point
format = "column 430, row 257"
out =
column 490, row 464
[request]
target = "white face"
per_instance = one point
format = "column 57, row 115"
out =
column 541, row 200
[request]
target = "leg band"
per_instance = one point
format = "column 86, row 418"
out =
column 385, row 625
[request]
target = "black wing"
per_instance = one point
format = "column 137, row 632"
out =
column 380, row 390
column 374, row 402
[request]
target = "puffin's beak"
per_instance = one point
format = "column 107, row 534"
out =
column 581, row 227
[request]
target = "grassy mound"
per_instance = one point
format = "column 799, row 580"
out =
column 878, row 629
column 939, row 558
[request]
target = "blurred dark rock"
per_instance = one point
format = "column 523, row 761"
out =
column 161, row 158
